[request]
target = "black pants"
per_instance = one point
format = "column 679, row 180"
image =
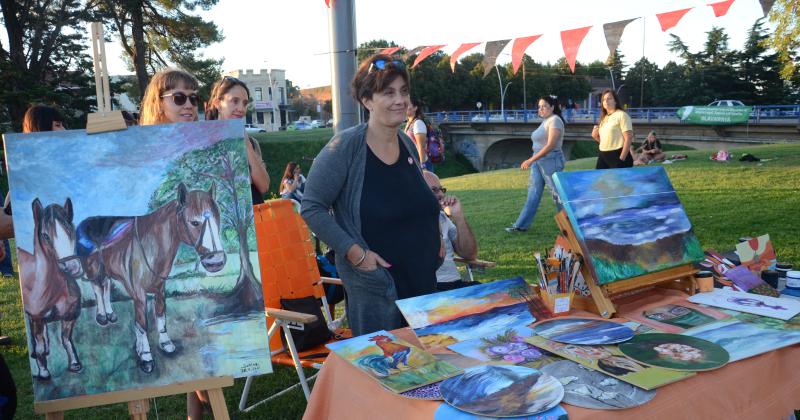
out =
column 610, row 160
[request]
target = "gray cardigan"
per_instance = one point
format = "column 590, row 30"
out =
column 335, row 181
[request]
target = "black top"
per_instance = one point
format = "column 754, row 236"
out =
column 400, row 222
column 257, row 197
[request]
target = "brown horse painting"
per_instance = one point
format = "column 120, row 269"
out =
column 49, row 289
column 139, row 251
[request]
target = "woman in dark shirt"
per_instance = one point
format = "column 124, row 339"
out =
column 385, row 227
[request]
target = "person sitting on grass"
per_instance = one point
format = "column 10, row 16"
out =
column 649, row 151
column 293, row 182
column 456, row 235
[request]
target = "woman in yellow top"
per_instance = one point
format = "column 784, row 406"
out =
column 615, row 134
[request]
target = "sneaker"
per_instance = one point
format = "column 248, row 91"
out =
column 513, row 229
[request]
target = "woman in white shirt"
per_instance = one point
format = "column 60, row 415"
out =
column 547, row 159
column 293, row 182
column 418, row 132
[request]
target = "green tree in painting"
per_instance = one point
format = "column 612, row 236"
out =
column 224, row 164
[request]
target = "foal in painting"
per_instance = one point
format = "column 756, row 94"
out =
column 139, row 253
column 49, row 290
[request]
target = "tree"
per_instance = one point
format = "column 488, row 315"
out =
column 786, row 38
column 44, row 60
column 157, row 33
column 368, row 48
column 222, row 163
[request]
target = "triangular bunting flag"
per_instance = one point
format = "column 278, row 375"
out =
column 459, row 51
column 571, row 41
column 493, row 49
column 766, row 6
column 425, row 53
column 518, row 49
column 389, row 51
column 721, row 8
column 613, row 33
column 413, row 52
column 670, row 19
column 329, row 3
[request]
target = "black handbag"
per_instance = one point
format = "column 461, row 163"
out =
column 312, row 334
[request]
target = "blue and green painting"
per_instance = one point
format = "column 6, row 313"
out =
column 630, row 222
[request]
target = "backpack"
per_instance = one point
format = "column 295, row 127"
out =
column 435, row 144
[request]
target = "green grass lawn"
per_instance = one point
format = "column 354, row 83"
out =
column 723, row 200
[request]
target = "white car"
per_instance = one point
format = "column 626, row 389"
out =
column 252, row 128
column 727, row 102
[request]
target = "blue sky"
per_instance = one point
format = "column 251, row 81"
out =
column 104, row 174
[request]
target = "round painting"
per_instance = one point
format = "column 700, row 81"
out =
column 427, row 392
column 584, row 387
column 502, row 391
column 675, row 351
column 584, row 331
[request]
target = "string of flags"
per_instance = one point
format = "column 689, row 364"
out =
column 571, row 39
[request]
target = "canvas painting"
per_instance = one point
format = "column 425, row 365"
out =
column 137, row 257
column 394, row 363
column 675, row 351
column 629, row 222
column 584, row 387
column 670, row 312
column 747, row 335
column 445, row 318
column 502, row 391
column 508, row 347
column 757, row 254
column 610, row 361
column 587, row 331
column 781, row 308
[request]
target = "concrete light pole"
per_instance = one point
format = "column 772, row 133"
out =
column 342, row 34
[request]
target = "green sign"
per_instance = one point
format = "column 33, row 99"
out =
column 714, row 115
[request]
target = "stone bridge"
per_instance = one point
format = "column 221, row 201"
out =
column 498, row 145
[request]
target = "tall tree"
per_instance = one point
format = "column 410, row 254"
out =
column 786, row 38
column 157, row 33
column 44, row 60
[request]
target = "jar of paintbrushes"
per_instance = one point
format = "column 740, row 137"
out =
column 558, row 271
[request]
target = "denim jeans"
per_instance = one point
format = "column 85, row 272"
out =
column 541, row 173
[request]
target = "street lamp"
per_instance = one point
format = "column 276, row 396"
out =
column 503, row 91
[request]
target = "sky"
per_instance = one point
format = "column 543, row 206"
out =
column 293, row 34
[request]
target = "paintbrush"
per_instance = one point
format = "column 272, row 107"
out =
column 542, row 275
column 575, row 274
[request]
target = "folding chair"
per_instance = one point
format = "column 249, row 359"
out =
column 288, row 270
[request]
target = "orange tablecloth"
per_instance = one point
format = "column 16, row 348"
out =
column 761, row 387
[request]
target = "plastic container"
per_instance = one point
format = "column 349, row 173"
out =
column 705, row 281
column 792, row 283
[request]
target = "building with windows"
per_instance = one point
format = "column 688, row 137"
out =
column 269, row 104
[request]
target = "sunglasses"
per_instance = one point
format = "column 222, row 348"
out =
column 437, row 189
column 179, row 98
column 381, row 64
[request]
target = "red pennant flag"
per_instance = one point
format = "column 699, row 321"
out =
column 329, row 3
column 389, row 51
column 721, row 8
column 425, row 53
column 670, row 19
column 459, row 51
column 571, row 41
column 518, row 49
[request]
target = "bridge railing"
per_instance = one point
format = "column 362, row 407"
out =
column 759, row 113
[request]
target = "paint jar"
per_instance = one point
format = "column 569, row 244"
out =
column 771, row 277
column 792, row 283
column 782, row 269
column 705, row 281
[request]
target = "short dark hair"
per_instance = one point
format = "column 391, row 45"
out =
column 370, row 80
column 40, row 118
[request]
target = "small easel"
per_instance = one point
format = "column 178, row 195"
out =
column 138, row 399
column 680, row 278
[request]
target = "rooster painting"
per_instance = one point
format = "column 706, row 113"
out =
column 393, row 355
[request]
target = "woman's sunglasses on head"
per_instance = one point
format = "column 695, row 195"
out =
column 381, row 64
column 179, row 98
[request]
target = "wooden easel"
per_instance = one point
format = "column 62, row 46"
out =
column 138, row 399
column 680, row 278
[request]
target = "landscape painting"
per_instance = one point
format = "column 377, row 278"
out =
column 137, row 257
column 445, row 318
column 669, row 312
column 630, row 222
column 747, row 335
column 611, row 361
column 394, row 363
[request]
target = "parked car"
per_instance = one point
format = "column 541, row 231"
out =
column 329, row 123
column 252, row 128
column 726, row 102
column 316, row 123
column 299, row 125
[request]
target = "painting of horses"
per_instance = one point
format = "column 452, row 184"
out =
column 396, row 364
column 136, row 252
column 444, row 318
column 630, row 222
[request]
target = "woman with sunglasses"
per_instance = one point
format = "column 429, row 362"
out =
column 385, row 223
column 229, row 99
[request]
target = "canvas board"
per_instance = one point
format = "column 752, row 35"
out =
column 746, row 335
column 444, row 318
column 610, row 361
column 781, row 308
column 584, row 387
column 670, row 312
column 757, row 254
column 629, row 222
column 508, row 347
column 396, row 364
column 142, row 242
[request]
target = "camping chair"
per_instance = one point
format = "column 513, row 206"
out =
column 478, row 265
column 288, row 271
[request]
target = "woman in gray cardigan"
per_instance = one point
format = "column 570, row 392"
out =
column 384, row 227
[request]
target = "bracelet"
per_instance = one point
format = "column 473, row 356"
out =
column 361, row 260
